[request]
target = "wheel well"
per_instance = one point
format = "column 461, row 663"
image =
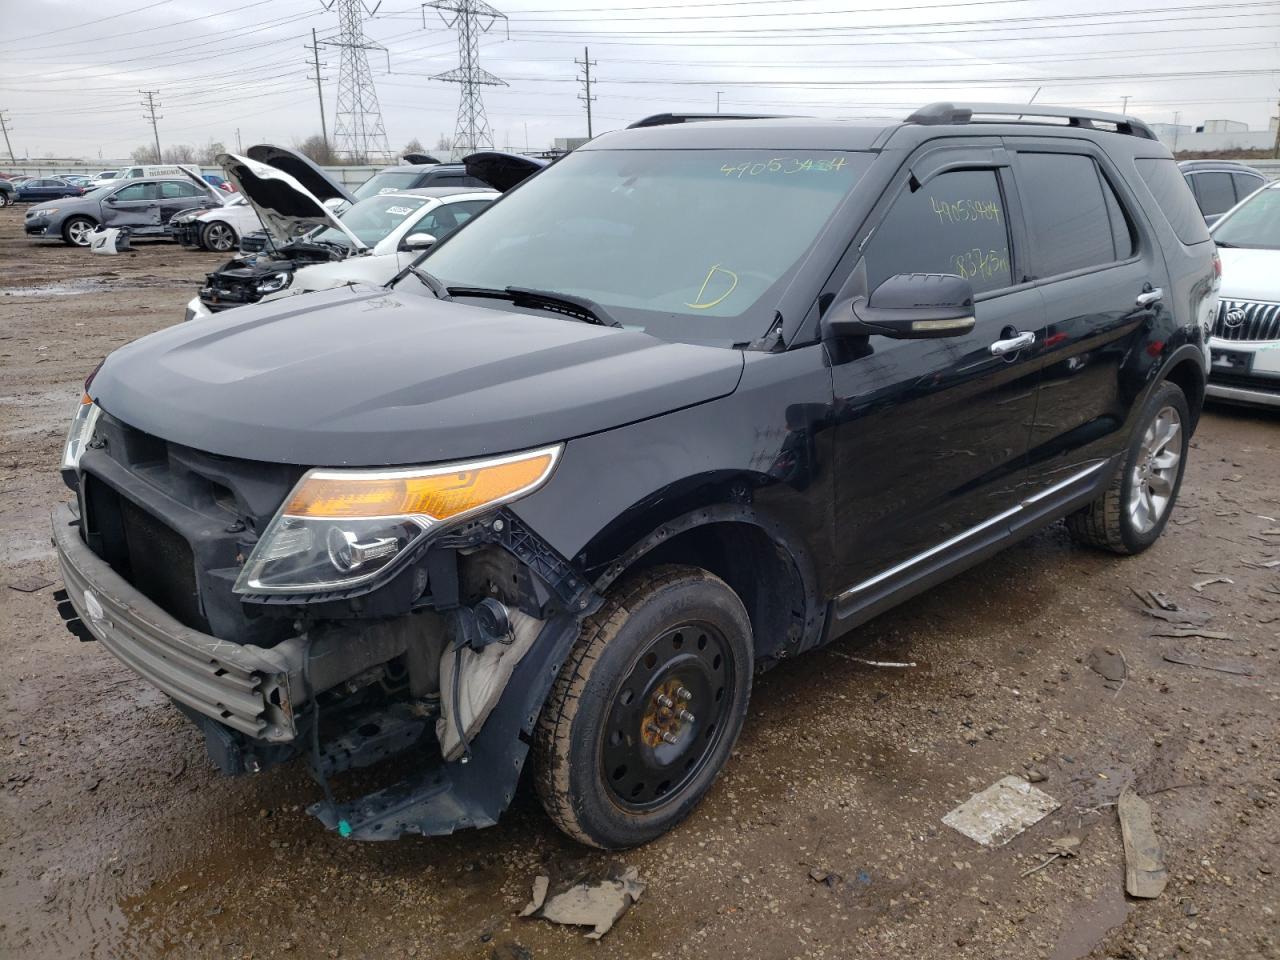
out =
column 1189, row 378
column 758, row 569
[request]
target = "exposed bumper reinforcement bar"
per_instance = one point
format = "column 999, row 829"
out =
column 243, row 687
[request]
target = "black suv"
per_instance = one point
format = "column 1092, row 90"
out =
column 417, row 171
column 1218, row 185
column 696, row 398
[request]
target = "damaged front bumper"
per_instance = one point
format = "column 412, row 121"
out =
column 253, row 703
column 242, row 687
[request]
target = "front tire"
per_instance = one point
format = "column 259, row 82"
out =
column 5, row 198
column 76, row 231
column 646, row 709
column 218, row 237
column 1134, row 510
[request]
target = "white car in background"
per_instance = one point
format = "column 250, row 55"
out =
column 1244, row 346
column 314, row 246
column 220, row 232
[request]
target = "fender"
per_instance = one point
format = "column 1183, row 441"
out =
column 792, row 637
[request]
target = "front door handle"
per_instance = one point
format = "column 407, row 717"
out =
column 1149, row 297
column 1002, row 347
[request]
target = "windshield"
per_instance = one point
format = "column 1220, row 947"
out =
column 371, row 220
column 683, row 243
column 389, row 181
column 1255, row 223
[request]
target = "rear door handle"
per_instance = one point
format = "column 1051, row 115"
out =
column 1147, row 298
column 1002, row 347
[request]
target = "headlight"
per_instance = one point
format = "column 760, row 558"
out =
column 82, row 424
column 340, row 528
column 277, row 281
column 37, row 214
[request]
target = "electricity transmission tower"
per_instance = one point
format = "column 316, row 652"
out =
column 358, row 133
column 471, row 18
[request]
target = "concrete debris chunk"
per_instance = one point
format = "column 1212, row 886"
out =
column 1144, row 874
column 596, row 905
column 1108, row 664
column 999, row 813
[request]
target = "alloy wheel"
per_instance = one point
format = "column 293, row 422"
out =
column 667, row 716
column 219, row 237
column 1155, row 470
column 78, row 232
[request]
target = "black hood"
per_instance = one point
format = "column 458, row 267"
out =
column 502, row 171
column 368, row 377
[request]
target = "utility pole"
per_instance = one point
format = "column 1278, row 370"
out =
column 5, row 127
column 470, row 18
column 239, row 142
column 358, row 132
column 150, row 106
column 1124, row 104
column 586, row 63
column 718, row 92
column 315, row 53
column 1177, row 119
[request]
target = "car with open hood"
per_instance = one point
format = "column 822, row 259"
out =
column 144, row 205
column 315, row 246
column 697, row 398
column 1245, row 345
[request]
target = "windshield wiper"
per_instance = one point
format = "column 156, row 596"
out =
column 1223, row 243
column 433, row 283
column 569, row 304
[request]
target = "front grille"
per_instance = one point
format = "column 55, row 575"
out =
column 1244, row 321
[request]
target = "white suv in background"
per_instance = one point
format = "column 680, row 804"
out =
column 1245, row 343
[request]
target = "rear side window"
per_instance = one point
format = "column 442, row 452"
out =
column 1214, row 191
column 955, row 223
column 1245, row 184
column 1071, row 218
column 1173, row 196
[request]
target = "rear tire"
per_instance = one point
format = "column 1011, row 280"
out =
column 646, row 709
column 1134, row 510
column 5, row 198
column 76, row 231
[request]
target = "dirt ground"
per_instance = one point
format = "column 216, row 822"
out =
column 119, row 840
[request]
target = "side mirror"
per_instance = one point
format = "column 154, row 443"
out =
column 110, row 200
column 417, row 241
column 909, row 306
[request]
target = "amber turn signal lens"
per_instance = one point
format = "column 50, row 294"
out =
column 439, row 493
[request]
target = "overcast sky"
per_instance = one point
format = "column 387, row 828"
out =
column 70, row 72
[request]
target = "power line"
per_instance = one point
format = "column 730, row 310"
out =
column 150, row 106
column 87, row 23
column 586, row 63
column 471, row 18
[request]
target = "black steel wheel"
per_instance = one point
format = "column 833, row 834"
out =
column 667, row 715
column 647, row 708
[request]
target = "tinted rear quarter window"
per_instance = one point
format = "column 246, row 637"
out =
column 1068, row 212
column 1246, row 183
column 1173, row 197
column 1214, row 191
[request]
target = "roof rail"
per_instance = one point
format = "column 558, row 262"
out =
column 939, row 113
column 664, row 119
